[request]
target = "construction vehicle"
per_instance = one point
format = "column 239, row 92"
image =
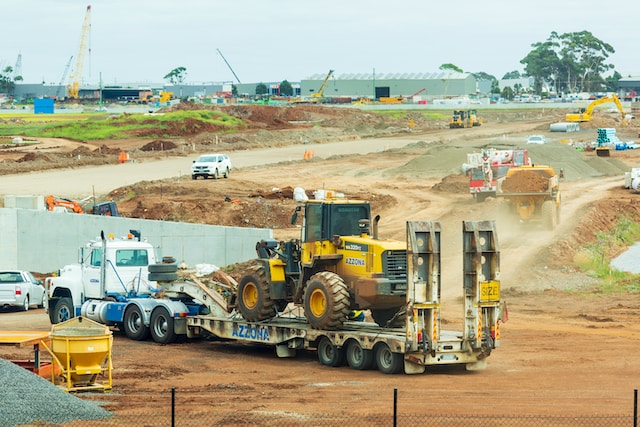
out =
column 337, row 266
column 316, row 97
column 585, row 114
column 464, row 119
column 391, row 99
column 489, row 165
column 118, row 283
column 67, row 205
column 533, row 193
column 73, row 88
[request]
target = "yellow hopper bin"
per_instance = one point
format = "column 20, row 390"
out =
column 82, row 349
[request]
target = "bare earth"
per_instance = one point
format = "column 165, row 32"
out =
column 566, row 348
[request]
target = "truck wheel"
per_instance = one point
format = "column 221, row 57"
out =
column 216, row 174
column 43, row 302
column 549, row 214
column 358, row 357
column 254, row 297
column 194, row 176
column 329, row 354
column 62, row 311
column 388, row 362
column 162, row 326
column 226, row 173
column 326, row 301
column 134, row 324
column 383, row 316
column 162, row 268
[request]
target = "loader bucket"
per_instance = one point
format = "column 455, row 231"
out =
column 602, row 152
column 82, row 349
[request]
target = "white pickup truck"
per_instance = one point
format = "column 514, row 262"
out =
column 211, row 165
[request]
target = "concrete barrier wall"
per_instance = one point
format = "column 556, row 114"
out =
column 42, row 242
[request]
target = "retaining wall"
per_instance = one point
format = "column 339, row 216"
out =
column 43, row 242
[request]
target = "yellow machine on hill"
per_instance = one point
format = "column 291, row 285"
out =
column 338, row 265
column 464, row 119
column 584, row 114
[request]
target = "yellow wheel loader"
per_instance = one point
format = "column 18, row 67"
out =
column 337, row 266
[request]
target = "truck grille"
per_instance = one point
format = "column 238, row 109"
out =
column 394, row 264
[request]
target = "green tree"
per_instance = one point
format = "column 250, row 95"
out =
column 261, row 89
column 495, row 87
column 571, row 62
column 507, row 93
column 234, row 90
column 611, row 82
column 512, row 75
column 8, row 80
column 450, row 67
column 177, row 75
column 285, row 88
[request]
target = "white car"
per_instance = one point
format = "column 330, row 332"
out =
column 19, row 288
column 211, row 165
column 536, row 139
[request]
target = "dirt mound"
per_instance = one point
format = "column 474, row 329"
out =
column 525, row 181
column 158, row 145
column 458, row 184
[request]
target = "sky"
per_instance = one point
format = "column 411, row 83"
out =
column 137, row 41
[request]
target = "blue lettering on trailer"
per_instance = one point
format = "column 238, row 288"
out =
column 252, row 332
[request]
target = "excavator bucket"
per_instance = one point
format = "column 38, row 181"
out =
column 603, row 152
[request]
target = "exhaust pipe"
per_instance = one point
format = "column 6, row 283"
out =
column 375, row 227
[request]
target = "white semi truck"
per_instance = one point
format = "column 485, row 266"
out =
column 120, row 283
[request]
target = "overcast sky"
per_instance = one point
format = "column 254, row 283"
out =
column 265, row 41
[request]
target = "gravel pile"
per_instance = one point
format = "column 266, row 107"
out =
column 26, row 398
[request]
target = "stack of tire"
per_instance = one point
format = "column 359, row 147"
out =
column 167, row 271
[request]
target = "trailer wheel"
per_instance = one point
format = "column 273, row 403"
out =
column 385, row 317
column 162, row 268
column 326, row 301
column 388, row 362
column 329, row 354
column 134, row 325
column 549, row 214
column 62, row 311
column 162, row 326
column 358, row 357
column 254, row 297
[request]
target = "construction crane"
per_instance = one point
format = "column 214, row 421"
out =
column 17, row 70
column 64, row 76
column 228, row 65
column 320, row 92
column 76, row 77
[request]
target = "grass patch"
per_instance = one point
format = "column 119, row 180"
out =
column 595, row 258
column 99, row 127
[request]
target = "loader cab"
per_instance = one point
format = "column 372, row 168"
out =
column 325, row 219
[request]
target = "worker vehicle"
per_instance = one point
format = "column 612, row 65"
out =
column 211, row 165
column 55, row 203
column 316, row 97
column 338, row 265
column 489, row 165
column 464, row 119
column 391, row 99
column 19, row 288
column 532, row 193
column 585, row 114
column 118, row 283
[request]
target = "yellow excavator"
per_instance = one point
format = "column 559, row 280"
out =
column 584, row 114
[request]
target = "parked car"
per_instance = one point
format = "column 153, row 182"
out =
column 19, row 288
column 211, row 165
column 536, row 139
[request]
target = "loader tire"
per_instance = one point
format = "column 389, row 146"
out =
column 326, row 301
column 254, row 297
column 549, row 214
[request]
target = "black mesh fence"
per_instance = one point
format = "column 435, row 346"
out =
column 183, row 408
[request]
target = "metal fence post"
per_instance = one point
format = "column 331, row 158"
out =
column 173, row 407
column 635, row 407
column 395, row 407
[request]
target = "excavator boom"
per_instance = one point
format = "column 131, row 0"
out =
column 585, row 116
